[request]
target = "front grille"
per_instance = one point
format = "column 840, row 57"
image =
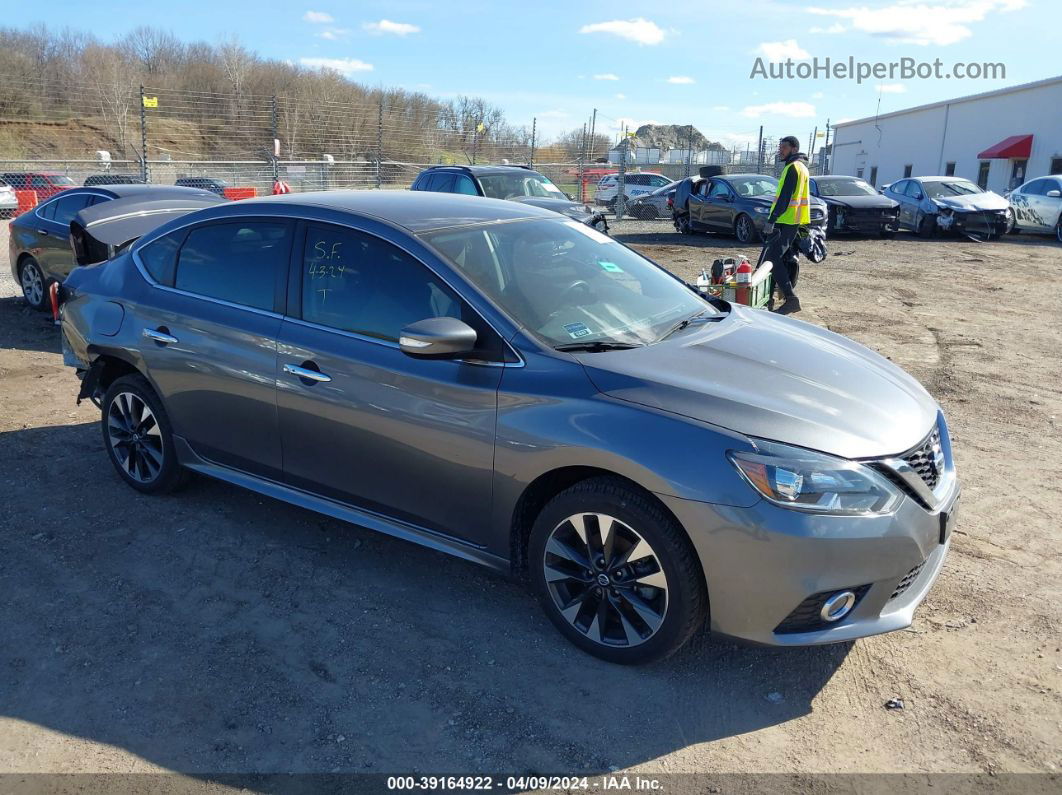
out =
column 927, row 459
column 805, row 617
column 908, row 578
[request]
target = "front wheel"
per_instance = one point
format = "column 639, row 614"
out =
column 887, row 234
column 33, row 283
column 927, row 226
column 745, row 230
column 683, row 224
column 138, row 436
column 1058, row 230
column 615, row 573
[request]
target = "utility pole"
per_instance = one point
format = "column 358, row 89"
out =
column 582, row 165
column 534, row 125
column 621, row 179
column 826, row 151
column 759, row 153
column 276, row 139
column 143, row 138
column 379, row 140
column 811, row 146
column 593, row 128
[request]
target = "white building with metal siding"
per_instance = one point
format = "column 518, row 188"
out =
column 998, row 139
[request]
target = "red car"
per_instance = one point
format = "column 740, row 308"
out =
column 45, row 183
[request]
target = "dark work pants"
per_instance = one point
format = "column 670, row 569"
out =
column 782, row 252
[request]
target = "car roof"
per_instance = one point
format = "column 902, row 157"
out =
column 122, row 190
column 470, row 169
column 942, row 179
column 743, row 176
column 838, row 178
column 417, row 211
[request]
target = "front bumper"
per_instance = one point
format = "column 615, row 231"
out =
column 761, row 563
column 862, row 221
column 990, row 222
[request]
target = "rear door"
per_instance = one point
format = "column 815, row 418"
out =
column 373, row 427
column 52, row 229
column 209, row 332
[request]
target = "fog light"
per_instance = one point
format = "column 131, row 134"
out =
column 837, row 606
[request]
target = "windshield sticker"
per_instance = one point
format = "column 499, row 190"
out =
column 577, row 330
column 611, row 267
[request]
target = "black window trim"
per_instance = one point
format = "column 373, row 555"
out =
column 294, row 293
column 279, row 287
column 65, row 194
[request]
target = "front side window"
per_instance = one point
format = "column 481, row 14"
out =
column 719, row 190
column 462, row 184
column 521, row 183
column 355, row 282
column 237, row 262
column 566, row 283
column 159, row 257
column 914, row 190
column 756, row 186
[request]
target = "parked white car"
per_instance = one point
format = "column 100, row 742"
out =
column 1037, row 206
column 635, row 184
column 8, row 201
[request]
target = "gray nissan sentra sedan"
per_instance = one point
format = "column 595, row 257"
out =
column 501, row 383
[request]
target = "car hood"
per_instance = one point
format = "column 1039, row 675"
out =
column 974, row 201
column 572, row 209
column 862, row 202
column 776, row 378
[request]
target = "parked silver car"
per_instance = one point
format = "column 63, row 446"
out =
column 1037, row 206
column 653, row 205
column 929, row 205
column 512, row 387
column 8, row 201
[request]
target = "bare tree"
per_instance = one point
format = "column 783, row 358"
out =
column 112, row 78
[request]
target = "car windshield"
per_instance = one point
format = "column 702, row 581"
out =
column 508, row 186
column 755, row 186
column 567, row 283
column 661, row 191
column 936, row 190
column 60, row 180
column 845, row 187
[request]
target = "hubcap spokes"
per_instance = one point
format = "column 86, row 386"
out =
column 135, row 437
column 605, row 579
column 32, row 284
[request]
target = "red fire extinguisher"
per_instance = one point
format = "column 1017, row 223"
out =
column 743, row 277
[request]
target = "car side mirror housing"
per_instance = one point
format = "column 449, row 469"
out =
column 570, row 197
column 920, row 196
column 437, row 338
column 1053, row 194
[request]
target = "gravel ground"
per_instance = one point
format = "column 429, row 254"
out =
column 217, row 631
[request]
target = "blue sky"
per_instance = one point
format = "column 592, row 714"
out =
column 686, row 62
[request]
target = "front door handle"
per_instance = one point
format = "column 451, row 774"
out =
column 159, row 336
column 42, row 232
column 307, row 374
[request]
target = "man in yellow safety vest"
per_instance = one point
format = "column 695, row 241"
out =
column 790, row 211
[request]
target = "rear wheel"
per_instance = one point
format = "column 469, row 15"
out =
column 34, row 285
column 615, row 573
column 138, row 436
column 745, row 229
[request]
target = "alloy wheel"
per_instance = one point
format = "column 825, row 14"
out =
column 32, row 284
column 744, row 229
column 135, row 437
column 1058, row 231
column 605, row 579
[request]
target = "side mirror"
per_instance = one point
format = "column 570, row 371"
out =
column 437, row 338
column 1053, row 194
column 920, row 196
column 570, row 197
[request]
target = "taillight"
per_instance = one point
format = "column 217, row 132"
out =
column 53, row 295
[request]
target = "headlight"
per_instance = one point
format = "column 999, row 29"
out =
column 815, row 482
column 763, row 210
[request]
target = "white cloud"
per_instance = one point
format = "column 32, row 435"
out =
column 789, row 110
column 606, row 76
column 345, row 66
column 778, row 51
column 387, row 26
column 920, row 22
column 642, row 31
column 621, row 96
column 891, row 88
column 681, row 80
column 317, row 17
column 817, row 95
column 836, row 27
column 334, row 34
column 720, row 108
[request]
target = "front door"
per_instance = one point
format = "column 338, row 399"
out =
column 210, row 337
column 409, row 438
column 52, row 227
column 718, row 210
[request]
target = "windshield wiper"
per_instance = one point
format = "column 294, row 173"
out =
column 684, row 323
column 598, row 346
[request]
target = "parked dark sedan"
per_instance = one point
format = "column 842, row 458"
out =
column 734, row 203
column 39, row 243
column 111, row 179
column 855, row 206
column 504, row 384
column 203, row 183
column 515, row 183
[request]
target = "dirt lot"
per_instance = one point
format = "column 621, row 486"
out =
column 217, row 631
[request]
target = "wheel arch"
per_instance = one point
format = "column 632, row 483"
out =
column 547, row 486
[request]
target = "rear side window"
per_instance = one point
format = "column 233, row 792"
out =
column 238, row 262
column 160, row 257
column 69, row 206
column 441, row 183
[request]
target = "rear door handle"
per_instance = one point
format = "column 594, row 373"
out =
column 307, row 374
column 42, row 232
column 160, row 337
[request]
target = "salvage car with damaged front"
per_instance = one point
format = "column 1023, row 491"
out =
column 930, row 205
column 855, row 207
column 495, row 381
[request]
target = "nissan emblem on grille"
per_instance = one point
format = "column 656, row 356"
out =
column 928, row 459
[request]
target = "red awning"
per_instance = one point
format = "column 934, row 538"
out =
column 1015, row 146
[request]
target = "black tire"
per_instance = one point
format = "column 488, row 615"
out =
column 685, row 595
column 684, row 224
column 927, row 226
column 135, row 466
column 887, row 234
column 745, row 230
column 34, row 284
column 1058, row 231
column 649, row 212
